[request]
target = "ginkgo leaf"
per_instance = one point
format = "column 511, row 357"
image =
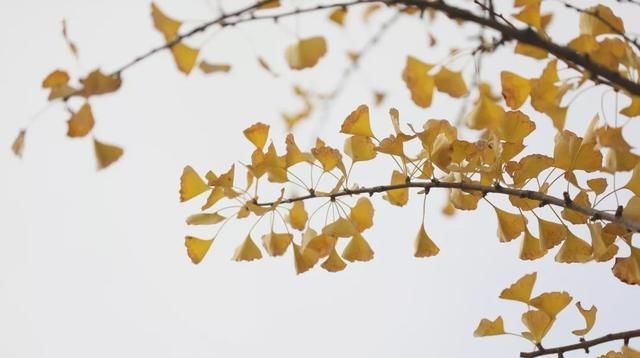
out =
column 322, row 244
column 531, row 247
column 197, row 248
column 55, row 79
column 598, row 185
column 357, row 122
column 393, row 145
column 515, row 127
column 530, row 51
column 268, row 4
column 293, row 155
column 276, row 244
column 488, row 328
column 510, row 226
column 634, row 182
column 611, row 137
column 18, row 144
column 551, row 303
column 538, row 323
column 419, row 83
column 521, row 289
column 359, row 148
column 515, row 89
column 551, row 234
column 106, row 154
column 602, row 251
column 362, row 214
column 340, row 228
column 216, row 194
column 632, row 209
column 163, row 23
column 530, row 167
column 81, row 122
column 185, row 57
column 570, row 153
column 205, row 219
column 599, row 19
column 328, row 157
column 257, row 134
column 589, row 318
column 298, row 216
column 191, row 185
column 304, row 259
column 574, row 250
column 398, row 197
column 338, row 15
column 207, row 67
column 464, row 201
column 582, row 199
column 97, row 83
column 247, row 251
column 530, row 15
column 334, row 262
column 451, row 83
column 306, row 52
column 486, row 114
column 424, row 246
column 627, row 269
column 357, row 249
column 633, row 109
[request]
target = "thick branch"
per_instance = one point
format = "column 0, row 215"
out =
column 544, row 199
column 583, row 345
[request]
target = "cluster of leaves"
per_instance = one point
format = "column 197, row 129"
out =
column 541, row 313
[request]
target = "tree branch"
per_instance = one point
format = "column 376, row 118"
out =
column 583, row 345
column 544, row 199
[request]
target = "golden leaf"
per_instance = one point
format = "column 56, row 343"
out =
column 81, row 122
column 357, row 122
column 424, row 246
column 328, row 157
column 598, row 20
column 276, row 244
column 294, row 155
column 633, row 109
column 98, row 83
column 530, row 167
column 106, row 154
column 464, row 201
column 197, row 248
column 257, row 134
column 627, row 269
column 207, row 67
column 574, row 250
column 359, row 148
column 531, row 247
column 510, row 226
column 357, row 249
column 602, row 251
column 582, row 199
column 268, row 4
column 304, row 259
column 520, row 290
column 486, row 114
column 571, row 153
column 185, row 57
column 18, row 144
column 298, row 216
column 419, row 83
column 398, row 197
column 598, row 185
column 191, row 185
column 338, row 15
column 361, row 215
column 551, row 303
column 589, row 318
column 205, row 219
column 515, row 89
column 247, row 251
column 551, row 234
column 391, row 145
column 530, row 15
column 163, row 23
column 538, row 323
column 340, row 228
column 451, row 83
column 488, row 328
column 306, row 52
column 322, row 244
column 334, row 262
column 55, row 79
column 531, row 51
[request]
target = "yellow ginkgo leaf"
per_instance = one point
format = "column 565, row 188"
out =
column 589, row 318
column 18, row 144
column 515, row 89
column 551, row 234
column 530, row 51
column 598, row 20
column 464, row 201
column 205, row 219
column 163, row 23
column 551, row 303
column 334, row 262
column 191, row 185
column 634, row 181
column 486, row 114
column 304, row 259
column 628, row 352
column 515, row 127
column 293, row 155
column 306, row 52
column 357, row 122
column 97, row 83
column 520, row 290
column 106, row 154
column 530, row 15
column 582, row 199
column 530, row 167
column 81, row 122
column 207, row 67
column 574, row 250
column 419, row 83
column 216, row 194
column 338, row 15
column 633, row 109
column 185, row 57
column 531, row 247
column 571, row 153
column 357, row 249
column 393, row 145
column 510, row 226
column 602, row 251
column 257, row 134
column 598, row 185
column 359, row 148
column 627, row 269
column 632, row 209
column 322, row 244
column 398, row 197
column 276, row 244
column 424, row 246
column 328, row 157
column 197, row 248
column 340, row 228
column 362, row 214
column 451, row 83
column 584, row 43
column 55, row 79
column 538, row 323
column 298, row 215
column 247, row 251
column 488, row 328
column 611, row 137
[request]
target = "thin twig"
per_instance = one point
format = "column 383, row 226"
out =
column 583, row 345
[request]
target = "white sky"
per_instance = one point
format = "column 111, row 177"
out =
column 93, row 263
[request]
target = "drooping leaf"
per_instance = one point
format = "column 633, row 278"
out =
column 106, row 154
column 191, row 185
column 357, row 122
column 81, row 122
column 257, row 134
column 247, row 251
column 419, row 83
column 488, row 328
column 589, row 318
column 520, row 290
column 334, row 262
column 510, row 226
column 197, row 248
column 451, row 83
column 304, row 259
column 551, row 303
column 205, row 219
column 574, row 250
column 538, row 323
column 361, row 214
column 424, row 246
column 306, row 52
column 357, row 249
column 185, row 57
column 276, row 244
column 398, row 197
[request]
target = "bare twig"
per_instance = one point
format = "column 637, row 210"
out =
column 583, row 345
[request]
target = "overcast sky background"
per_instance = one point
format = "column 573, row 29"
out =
column 93, row 264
